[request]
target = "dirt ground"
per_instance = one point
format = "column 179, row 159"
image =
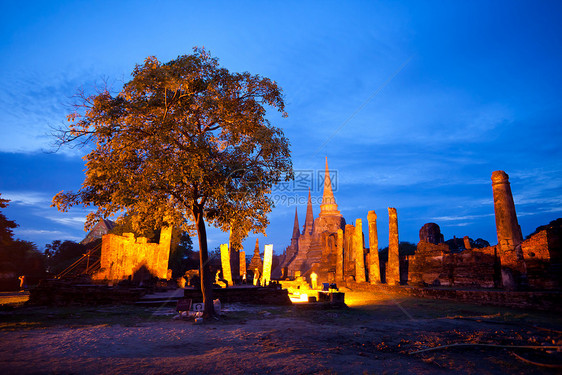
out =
column 377, row 334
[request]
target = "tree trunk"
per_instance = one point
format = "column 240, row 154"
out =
column 204, row 265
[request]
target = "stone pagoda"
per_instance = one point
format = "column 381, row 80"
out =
column 315, row 247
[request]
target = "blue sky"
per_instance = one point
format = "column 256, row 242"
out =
column 415, row 104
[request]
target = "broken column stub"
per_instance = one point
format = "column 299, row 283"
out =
column 374, row 267
column 393, row 265
column 508, row 231
column 358, row 247
column 467, row 245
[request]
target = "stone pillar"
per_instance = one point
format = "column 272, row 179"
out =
column 349, row 255
column 359, row 252
column 339, row 259
column 242, row 262
column 467, row 243
column 508, row 231
column 348, row 252
column 234, row 249
column 164, row 252
column 374, row 267
column 267, row 260
column 166, row 237
column 225, row 262
column 393, row 264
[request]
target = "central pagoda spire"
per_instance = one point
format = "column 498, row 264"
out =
column 328, row 206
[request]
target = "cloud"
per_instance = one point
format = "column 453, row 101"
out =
column 539, row 211
column 523, row 200
column 38, row 232
column 455, row 218
column 47, row 234
column 34, row 102
column 459, row 224
column 76, row 221
column 553, row 209
column 416, row 114
column 488, row 202
column 27, row 198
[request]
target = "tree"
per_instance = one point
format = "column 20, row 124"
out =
column 22, row 258
column 184, row 143
column 556, row 224
column 6, row 226
column 61, row 254
column 181, row 254
column 17, row 257
column 457, row 244
column 126, row 225
column 404, row 248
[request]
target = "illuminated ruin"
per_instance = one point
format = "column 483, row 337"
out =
column 124, row 257
column 316, row 247
column 336, row 251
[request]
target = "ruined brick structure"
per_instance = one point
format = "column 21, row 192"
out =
column 435, row 264
column 512, row 263
column 337, row 253
column 543, row 259
column 316, row 247
column 256, row 261
column 124, row 256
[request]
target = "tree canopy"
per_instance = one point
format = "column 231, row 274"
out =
column 17, row 257
column 184, row 142
column 61, row 254
column 6, row 226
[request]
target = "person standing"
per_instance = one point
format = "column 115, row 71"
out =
column 22, row 283
column 314, row 280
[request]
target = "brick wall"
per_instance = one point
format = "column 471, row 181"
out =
column 124, row 256
column 542, row 254
column 436, row 265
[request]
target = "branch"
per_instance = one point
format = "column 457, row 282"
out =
column 547, row 365
column 556, row 347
